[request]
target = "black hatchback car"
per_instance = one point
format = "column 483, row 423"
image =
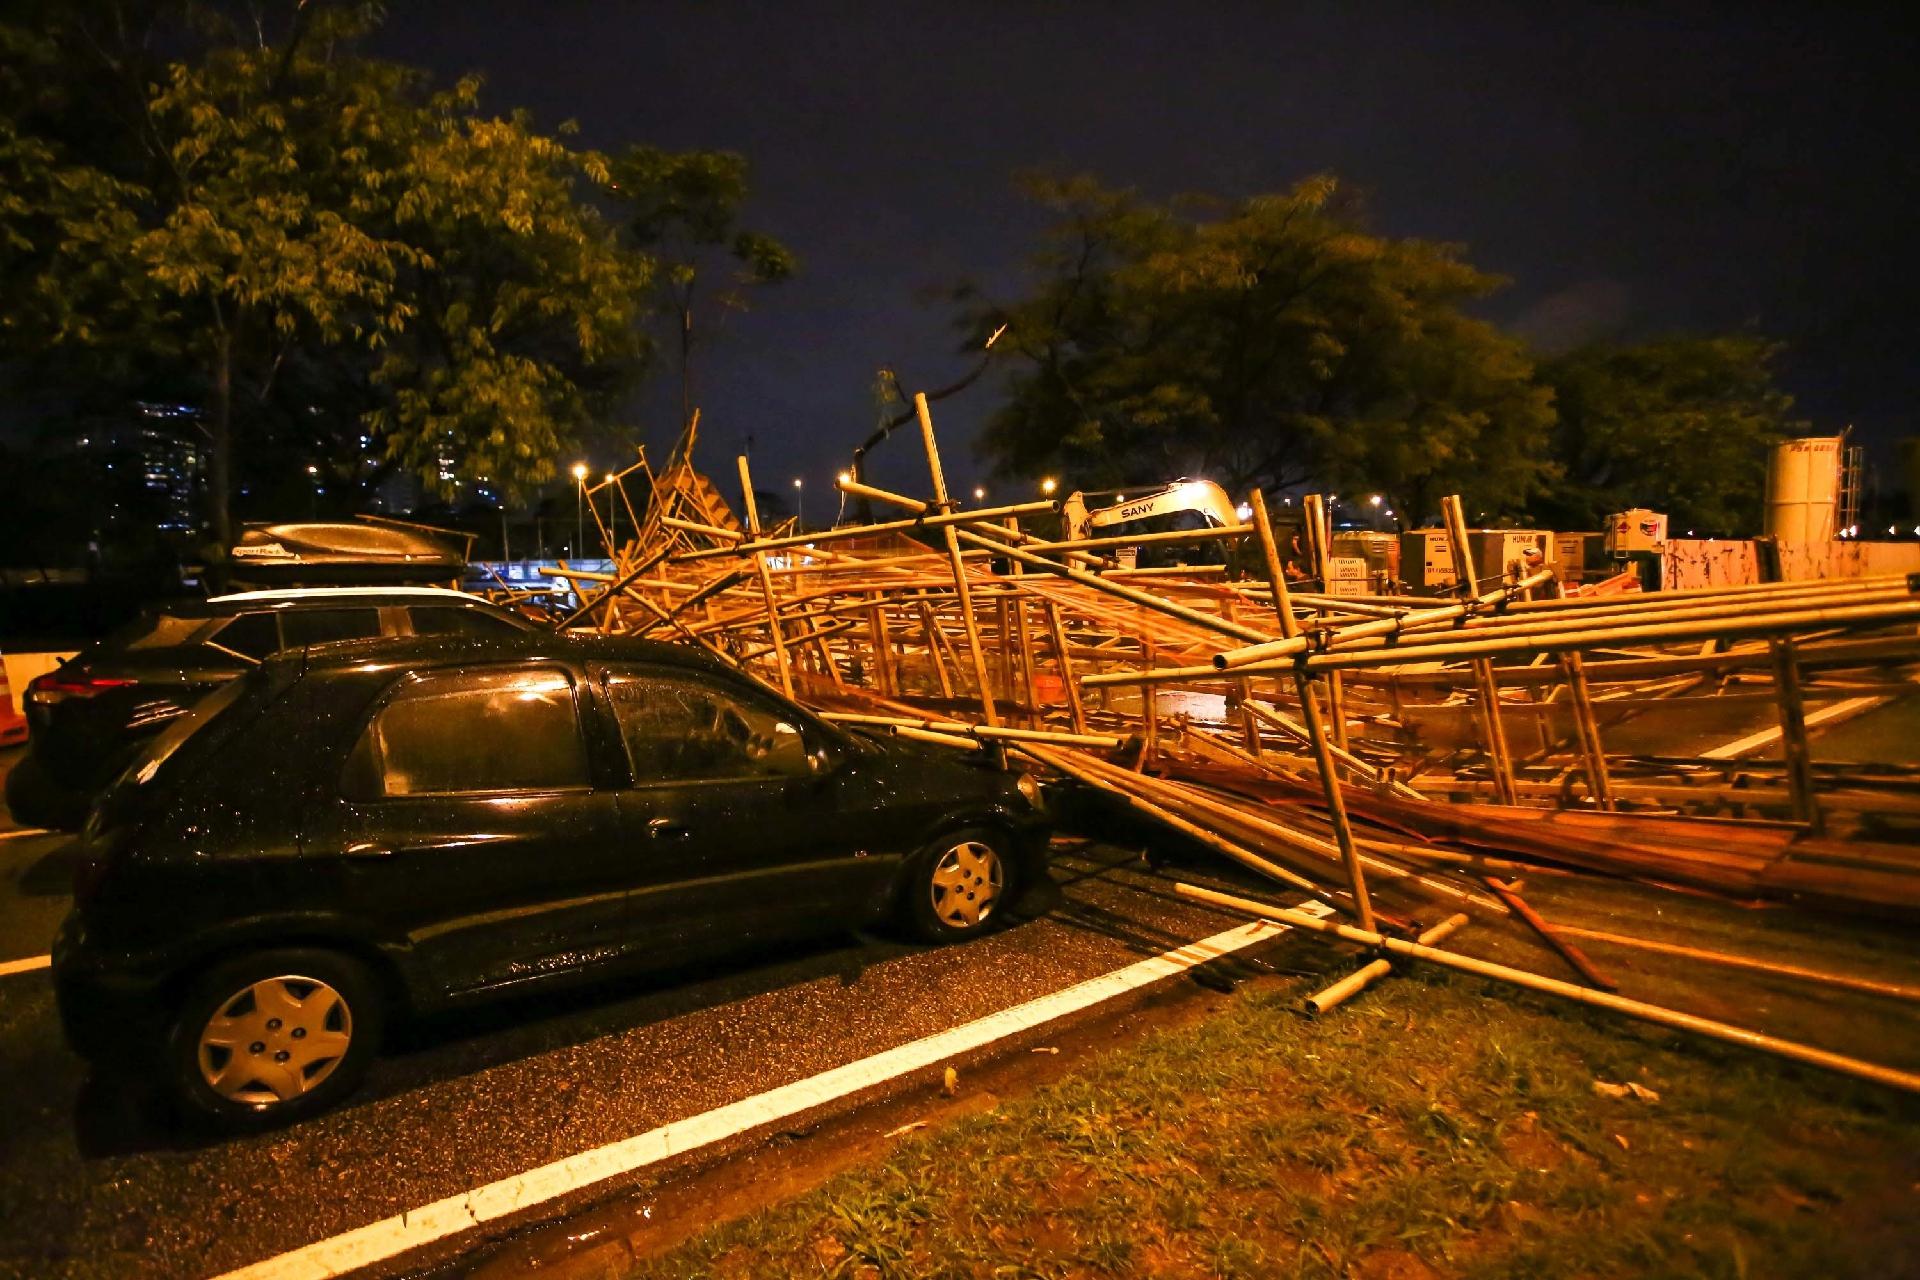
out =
column 86, row 719
column 359, row 831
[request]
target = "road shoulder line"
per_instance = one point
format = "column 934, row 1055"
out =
column 28, row 965
column 390, row 1237
column 1767, row 737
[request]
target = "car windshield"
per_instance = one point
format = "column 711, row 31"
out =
column 1155, row 556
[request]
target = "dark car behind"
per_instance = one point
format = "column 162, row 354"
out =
column 86, row 719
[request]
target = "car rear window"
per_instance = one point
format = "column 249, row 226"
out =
column 460, row 620
column 152, row 631
column 153, row 758
column 251, row 635
column 323, row 626
column 460, row 733
column 162, row 632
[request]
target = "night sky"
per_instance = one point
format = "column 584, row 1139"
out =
column 1634, row 170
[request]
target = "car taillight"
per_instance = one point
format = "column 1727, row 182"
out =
column 55, row 687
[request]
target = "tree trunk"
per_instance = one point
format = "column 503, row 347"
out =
column 686, row 366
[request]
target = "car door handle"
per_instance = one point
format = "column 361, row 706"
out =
column 660, row 828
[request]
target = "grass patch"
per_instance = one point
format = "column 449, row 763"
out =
column 1438, row 1126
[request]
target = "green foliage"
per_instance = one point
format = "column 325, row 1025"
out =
column 683, row 207
column 529, row 306
column 1438, row 1125
column 1681, row 425
column 1259, row 342
column 271, row 207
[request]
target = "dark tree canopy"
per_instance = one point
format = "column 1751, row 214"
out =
column 1681, row 425
column 683, row 207
column 319, row 246
column 1265, row 341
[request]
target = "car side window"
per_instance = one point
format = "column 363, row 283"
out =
column 680, row 728
column 321, row 626
column 252, row 635
column 459, row 620
column 472, row 732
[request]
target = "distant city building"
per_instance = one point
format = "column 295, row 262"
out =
column 154, row 462
column 397, row 494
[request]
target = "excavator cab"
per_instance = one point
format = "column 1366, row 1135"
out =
column 1184, row 506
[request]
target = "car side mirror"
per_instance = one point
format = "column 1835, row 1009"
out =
column 822, row 760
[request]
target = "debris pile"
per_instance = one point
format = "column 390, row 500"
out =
column 1425, row 751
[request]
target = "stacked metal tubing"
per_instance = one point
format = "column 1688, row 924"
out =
column 811, row 609
column 1414, row 637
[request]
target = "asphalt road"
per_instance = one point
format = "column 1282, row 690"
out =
column 92, row 1184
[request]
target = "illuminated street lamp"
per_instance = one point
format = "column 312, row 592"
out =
column 1048, row 485
column 979, row 494
column 799, row 503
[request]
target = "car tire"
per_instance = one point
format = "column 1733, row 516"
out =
column 272, row 1036
column 959, row 885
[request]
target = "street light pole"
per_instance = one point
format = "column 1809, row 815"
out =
column 579, row 507
column 799, row 505
column 613, row 521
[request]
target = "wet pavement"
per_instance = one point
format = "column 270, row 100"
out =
column 94, row 1184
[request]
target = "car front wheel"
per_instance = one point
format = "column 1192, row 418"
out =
column 959, row 885
column 273, row 1036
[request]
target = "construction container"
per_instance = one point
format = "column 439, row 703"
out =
column 1363, row 563
column 1636, row 531
column 1426, row 556
column 1497, row 551
column 1580, row 557
column 1426, row 562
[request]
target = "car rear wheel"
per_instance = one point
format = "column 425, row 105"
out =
column 959, row 885
column 273, row 1036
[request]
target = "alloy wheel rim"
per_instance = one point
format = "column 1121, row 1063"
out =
column 274, row 1040
column 967, row 881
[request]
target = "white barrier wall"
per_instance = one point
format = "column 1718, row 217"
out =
column 1847, row 559
column 1719, row 562
column 1686, row 563
column 25, row 667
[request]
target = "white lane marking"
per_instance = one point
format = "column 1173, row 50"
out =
column 390, row 1237
column 24, row 832
column 1767, row 737
column 28, row 965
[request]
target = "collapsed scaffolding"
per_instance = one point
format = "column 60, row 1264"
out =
column 1323, row 741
